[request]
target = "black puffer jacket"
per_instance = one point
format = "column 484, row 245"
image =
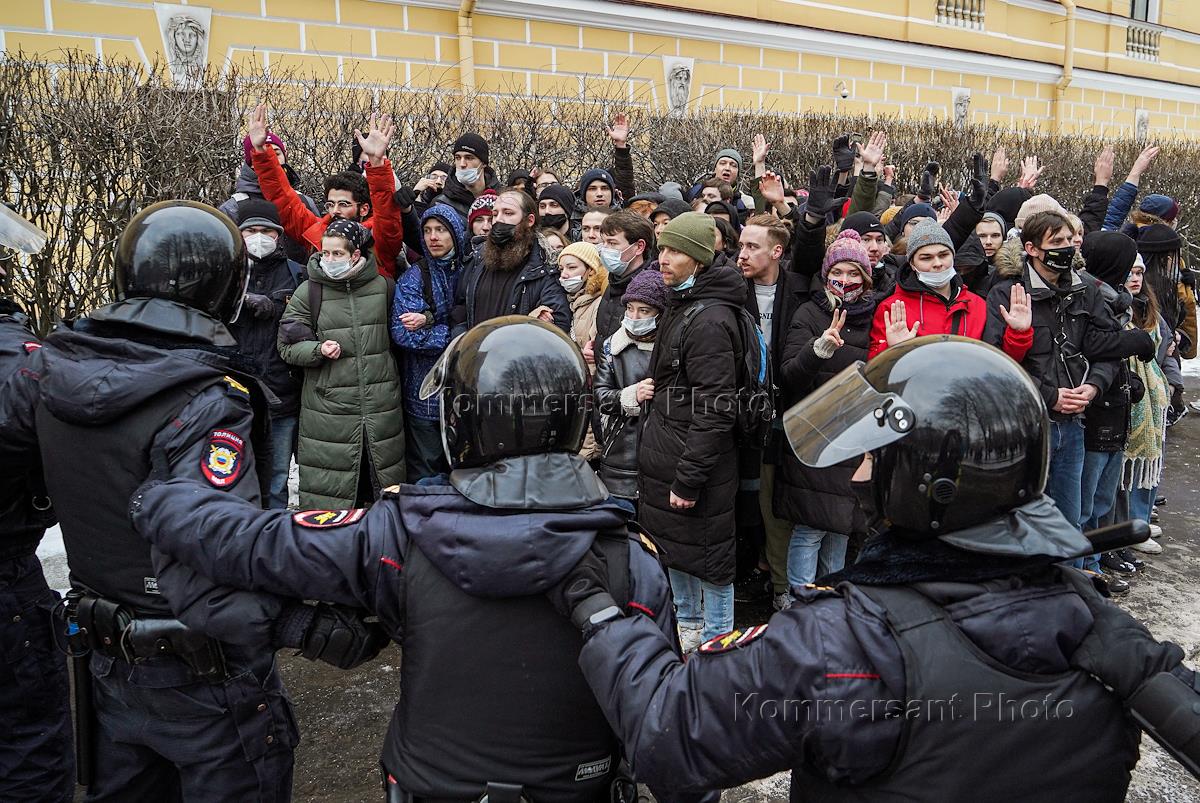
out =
column 687, row 442
column 1075, row 338
column 275, row 277
column 536, row 285
column 621, row 363
column 818, row 497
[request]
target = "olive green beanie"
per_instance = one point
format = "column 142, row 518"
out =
column 693, row 234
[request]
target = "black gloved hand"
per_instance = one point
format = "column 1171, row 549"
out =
column 843, row 154
column 977, row 194
column 1140, row 344
column 584, row 590
column 1120, row 652
column 822, row 191
column 933, row 169
column 338, row 635
column 925, row 192
column 404, row 198
column 260, row 306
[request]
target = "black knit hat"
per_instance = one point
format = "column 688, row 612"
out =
column 862, row 222
column 258, row 212
column 557, row 192
column 473, row 144
column 1158, row 238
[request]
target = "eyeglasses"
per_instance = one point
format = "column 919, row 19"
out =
column 331, row 205
column 541, row 184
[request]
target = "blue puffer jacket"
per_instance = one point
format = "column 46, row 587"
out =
column 420, row 348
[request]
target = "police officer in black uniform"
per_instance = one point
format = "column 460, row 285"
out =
column 36, row 760
column 493, row 701
column 957, row 660
column 148, row 386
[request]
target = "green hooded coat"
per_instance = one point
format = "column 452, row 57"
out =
column 344, row 398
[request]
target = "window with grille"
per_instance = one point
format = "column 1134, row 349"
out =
column 961, row 13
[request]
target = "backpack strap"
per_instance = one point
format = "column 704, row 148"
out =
column 315, row 295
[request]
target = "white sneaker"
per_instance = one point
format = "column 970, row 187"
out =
column 1149, row 546
column 689, row 639
column 1155, row 531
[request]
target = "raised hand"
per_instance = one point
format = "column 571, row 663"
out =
column 379, row 135
column 832, row 337
column 949, row 200
column 1030, row 172
column 889, row 175
column 760, row 149
column 977, row 194
column 843, row 154
column 999, row 165
column 618, row 132
column 925, row 191
column 771, row 187
column 1019, row 314
column 872, row 152
column 895, row 324
column 1103, row 171
column 822, row 188
column 1142, row 163
column 256, row 127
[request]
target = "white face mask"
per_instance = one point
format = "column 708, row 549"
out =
column 336, row 270
column 936, row 278
column 572, row 284
column 260, row 245
column 640, row 327
column 468, row 175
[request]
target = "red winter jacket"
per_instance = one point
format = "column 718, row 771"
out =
column 965, row 314
column 301, row 224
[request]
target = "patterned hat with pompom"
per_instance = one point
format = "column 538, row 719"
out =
column 847, row 247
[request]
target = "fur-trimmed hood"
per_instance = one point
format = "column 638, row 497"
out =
column 1010, row 260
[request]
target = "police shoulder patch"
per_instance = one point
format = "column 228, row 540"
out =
column 324, row 519
column 236, row 385
column 31, row 346
column 732, row 641
column 223, row 458
column 810, row 592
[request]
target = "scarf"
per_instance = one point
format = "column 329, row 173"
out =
column 1147, row 425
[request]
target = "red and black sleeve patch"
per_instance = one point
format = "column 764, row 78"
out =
column 223, row 458
column 324, row 519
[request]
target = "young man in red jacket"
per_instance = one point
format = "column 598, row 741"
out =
column 930, row 293
column 345, row 195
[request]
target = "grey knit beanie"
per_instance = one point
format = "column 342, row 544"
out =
column 927, row 232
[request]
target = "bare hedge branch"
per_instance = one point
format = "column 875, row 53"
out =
column 86, row 143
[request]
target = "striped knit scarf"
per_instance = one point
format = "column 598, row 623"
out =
column 1147, row 426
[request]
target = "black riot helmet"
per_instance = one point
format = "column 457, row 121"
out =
column 959, row 431
column 186, row 252
column 509, row 386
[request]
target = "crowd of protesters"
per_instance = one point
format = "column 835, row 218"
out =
column 348, row 311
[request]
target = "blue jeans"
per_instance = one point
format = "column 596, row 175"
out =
column 283, row 446
column 1101, row 478
column 1141, row 502
column 1065, row 483
column 701, row 605
column 814, row 553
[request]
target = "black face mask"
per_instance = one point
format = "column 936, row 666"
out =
column 1060, row 259
column 553, row 221
column 502, row 234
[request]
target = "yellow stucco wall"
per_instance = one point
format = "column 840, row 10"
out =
column 780, row 56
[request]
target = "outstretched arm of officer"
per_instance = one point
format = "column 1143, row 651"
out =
column 1162, row 693
column 718, row 720
column 325, row 555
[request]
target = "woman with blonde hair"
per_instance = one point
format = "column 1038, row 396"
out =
column 585, row 279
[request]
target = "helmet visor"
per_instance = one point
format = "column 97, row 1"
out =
column 844, row 418
column 436, row 378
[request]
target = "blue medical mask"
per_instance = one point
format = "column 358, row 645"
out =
column 467, row 175
column 936, row 278
column 611, row 257
column 640, row 327
column 685, row 284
